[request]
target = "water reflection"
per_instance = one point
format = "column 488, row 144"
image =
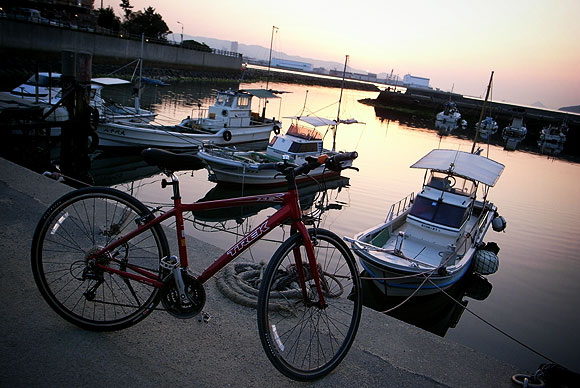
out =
column 436, row 313
column 110, row 169
column 311, row 197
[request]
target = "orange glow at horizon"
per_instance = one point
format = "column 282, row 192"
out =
column 532, row 45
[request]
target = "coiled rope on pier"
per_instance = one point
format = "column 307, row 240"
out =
column 240, row 282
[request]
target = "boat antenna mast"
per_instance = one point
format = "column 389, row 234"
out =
column 339, row 103
column 274, row 29
column 138, row 97
column 478, row 126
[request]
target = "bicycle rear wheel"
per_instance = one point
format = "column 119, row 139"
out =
column 303, row 340
column 76, row 226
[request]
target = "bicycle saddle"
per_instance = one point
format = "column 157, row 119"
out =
column 170, row 161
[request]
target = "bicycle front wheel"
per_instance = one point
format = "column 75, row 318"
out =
column 303, row 340
column 75, row 227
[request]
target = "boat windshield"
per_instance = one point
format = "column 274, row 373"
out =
column 438, row 212
column 243, row 101
column 304, row 132
column 451, row 183
column 44, row 80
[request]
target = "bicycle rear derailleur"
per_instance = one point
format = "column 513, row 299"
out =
column 183, row 295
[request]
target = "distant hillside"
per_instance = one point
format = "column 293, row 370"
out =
column 573, row 109
column 262, row 53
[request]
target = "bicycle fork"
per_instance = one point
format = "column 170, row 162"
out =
column 315, row 273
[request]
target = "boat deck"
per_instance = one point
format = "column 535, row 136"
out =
column 423, row 254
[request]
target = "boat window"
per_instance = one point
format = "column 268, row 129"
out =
column 438, row 212
column 43, row 80
column 229, row 101
column 304, row 132
column 220, row 99
column 243, row 102
column 303, row 147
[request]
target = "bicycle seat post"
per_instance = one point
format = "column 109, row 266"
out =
column 174, row 182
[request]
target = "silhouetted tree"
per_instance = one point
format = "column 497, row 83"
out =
column 126, row 8
column 108, row 19
column 147, row 22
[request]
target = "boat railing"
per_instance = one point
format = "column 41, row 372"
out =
column 230, row 153
column 400, row 207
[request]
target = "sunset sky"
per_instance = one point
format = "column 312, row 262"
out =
column 532, row 45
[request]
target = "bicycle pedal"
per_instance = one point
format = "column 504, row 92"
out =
column 204, row 317
column 169, row 263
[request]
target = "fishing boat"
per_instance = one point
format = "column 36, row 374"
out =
column 449, row 119
column 295, row 146
column 487, row 128
column 514, row 134
column 229, row 121
column 431, row 240
column 552, row 139
column 46, row 88
column 227, row 165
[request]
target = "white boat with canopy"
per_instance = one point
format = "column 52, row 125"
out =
column 229, row 121
column 300, row 142
column 429, row 240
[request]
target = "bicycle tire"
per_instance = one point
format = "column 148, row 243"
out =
column 82, row 222
column 303, row 341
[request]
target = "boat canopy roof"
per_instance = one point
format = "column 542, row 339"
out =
column 105, row 81
column 463, row 164
column 262, row 93
column 313, row 120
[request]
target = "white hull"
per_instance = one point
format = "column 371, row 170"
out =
column 428, row 241
column 397, row 276
column 243, row 170
column 175, row 137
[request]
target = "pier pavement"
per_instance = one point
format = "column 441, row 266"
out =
column 39, row 349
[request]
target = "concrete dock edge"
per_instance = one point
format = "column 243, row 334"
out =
column 39, row 349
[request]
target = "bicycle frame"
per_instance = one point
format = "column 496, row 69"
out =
column 290, row 210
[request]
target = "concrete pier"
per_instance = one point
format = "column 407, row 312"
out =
column 39, row 349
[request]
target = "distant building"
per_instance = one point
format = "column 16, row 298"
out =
column 371, row 77
column 234, row 47
column 294, row 65
column 420, row 82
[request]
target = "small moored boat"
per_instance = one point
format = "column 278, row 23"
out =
column 449, row 119
column 514, row 134
column 229, row 121
column 487, row 128
column 228, row 165
column 552, row 139
column 429, row 241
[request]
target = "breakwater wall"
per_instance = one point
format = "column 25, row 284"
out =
column 418, row 107
column 25, row 46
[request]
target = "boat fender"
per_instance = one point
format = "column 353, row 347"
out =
column 225, row 113
column 227, row 135
column 499, row 224
column 276, row 130
column 485, row 262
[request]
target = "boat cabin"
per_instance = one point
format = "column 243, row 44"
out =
column 444, row 204
column 448, row 198
column 298, row 143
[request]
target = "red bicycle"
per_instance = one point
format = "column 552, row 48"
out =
column 101, row 260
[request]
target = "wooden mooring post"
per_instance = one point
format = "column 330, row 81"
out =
column 80, row 128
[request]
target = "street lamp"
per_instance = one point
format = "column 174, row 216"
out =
column 181, row 31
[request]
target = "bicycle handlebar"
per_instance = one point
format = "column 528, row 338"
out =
column 333, row 163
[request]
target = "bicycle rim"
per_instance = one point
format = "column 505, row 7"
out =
column 74, row 227
column 302, row 340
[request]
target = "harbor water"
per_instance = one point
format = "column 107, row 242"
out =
column 535, row 293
